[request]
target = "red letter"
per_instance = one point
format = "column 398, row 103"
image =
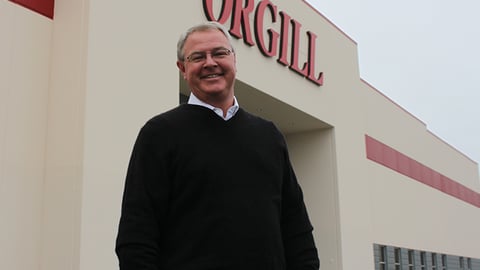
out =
column 311, row 60
column 282, row 58
column 226, row 6
column 296, row 51
column 259, row 16
column 241, row 19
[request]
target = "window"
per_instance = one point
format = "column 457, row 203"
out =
column 434, row 261
column 411, row 256
column 465, row 263
column 444, row 262
column 423, row 258
column 398, row 256
column 382, row 263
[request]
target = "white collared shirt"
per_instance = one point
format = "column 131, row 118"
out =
column 230, row 112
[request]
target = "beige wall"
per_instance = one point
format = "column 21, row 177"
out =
column 65, row 150
column 76, row 90
column 391, row 124
column 131, row 76
column 108, row 78
column 407, row 213
column 24, row 80
column 313, row 157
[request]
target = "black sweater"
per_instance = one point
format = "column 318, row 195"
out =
column 204, row 193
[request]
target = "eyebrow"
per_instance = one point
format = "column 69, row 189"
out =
column 214, row 49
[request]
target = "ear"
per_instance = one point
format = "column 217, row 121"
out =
column 181, row 67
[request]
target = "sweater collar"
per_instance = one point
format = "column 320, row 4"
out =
column 194, row 100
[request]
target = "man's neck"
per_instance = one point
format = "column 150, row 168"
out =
column 212, row 102
column 233, row 107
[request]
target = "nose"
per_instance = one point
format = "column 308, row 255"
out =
column 209, row 61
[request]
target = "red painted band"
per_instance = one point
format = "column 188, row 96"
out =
column 391, row 158
column 44, row 7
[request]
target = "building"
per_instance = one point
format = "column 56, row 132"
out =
column 80, row 79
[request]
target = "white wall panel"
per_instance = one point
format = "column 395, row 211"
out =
column 24, row 83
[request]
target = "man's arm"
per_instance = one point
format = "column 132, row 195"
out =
column 145, row 202
column 300, row 250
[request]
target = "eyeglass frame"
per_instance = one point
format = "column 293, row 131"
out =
column 203, row 55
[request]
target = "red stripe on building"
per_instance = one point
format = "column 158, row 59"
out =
column 44, row 7
column 391, row 158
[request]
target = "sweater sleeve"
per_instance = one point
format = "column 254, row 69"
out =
column 145, row 202
column 299, row 245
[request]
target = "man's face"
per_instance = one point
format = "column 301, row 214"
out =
column 209, row 67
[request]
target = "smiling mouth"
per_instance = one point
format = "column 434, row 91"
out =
column 211, row 76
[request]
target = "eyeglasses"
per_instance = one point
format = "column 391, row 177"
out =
column 216, row 54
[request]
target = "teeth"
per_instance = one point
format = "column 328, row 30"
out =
column 212, row 76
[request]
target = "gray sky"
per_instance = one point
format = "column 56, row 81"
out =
column 424, row 55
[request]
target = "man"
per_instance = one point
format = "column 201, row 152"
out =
column 210, row 186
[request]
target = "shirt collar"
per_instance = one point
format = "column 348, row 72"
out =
column 193, row 100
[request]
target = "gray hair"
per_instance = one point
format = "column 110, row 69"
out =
column 211, row 25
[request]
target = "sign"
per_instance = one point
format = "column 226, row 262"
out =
column 274, row 44
column 44, row 7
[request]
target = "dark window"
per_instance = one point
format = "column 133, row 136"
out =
column 411, row 259
column 434, row 261
column 423, row 258
column 444, row 262
column 383, row 258
column 397, row 259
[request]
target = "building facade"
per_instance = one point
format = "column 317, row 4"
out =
column 79, row 79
